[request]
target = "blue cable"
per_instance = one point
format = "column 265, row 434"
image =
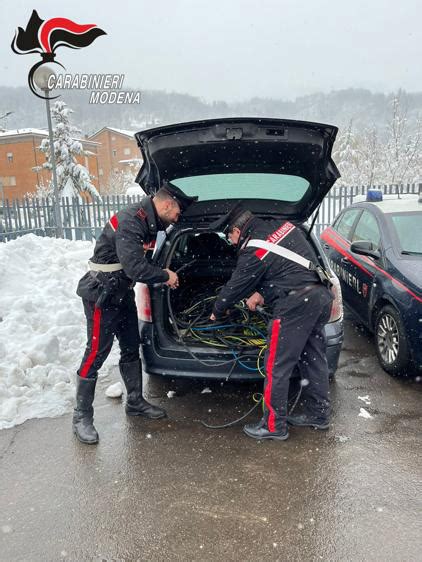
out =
column 243, row 364
column 215, row 327
column 206, row 328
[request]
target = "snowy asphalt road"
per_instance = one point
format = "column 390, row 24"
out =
column 173, row 490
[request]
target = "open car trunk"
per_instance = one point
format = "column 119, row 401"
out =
column 204, row 262
column 177, row 337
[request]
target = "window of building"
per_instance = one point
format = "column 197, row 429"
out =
column 100, row 172
column 10, row 156
column 8, row 181
column 114, row 152
column 113, row 138
column 126, row 151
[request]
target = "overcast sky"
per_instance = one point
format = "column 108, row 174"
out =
column 235, row 49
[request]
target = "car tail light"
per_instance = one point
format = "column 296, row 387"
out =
column 337, row 306
column 143, row 302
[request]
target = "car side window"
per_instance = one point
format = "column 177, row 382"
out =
column 345, row 223
column 367, row 229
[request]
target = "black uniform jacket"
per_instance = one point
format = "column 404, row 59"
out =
column 124, row 240
column 266, row 272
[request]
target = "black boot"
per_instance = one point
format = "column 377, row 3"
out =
column 83, row 414
column 136, row 405
column 305, row 420
column 260, row 430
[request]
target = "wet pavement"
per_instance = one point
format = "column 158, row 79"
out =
column 175, row 490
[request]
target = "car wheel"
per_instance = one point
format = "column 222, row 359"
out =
column 390, row 340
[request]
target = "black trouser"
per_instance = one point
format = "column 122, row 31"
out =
column 102, row 325
column 296, row 336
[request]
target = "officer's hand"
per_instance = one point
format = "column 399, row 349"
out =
column 173, row 280
column 214, row 318
column 255, row 300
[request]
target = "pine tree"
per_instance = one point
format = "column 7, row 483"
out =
column 72, row 178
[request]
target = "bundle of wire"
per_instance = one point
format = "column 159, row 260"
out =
column 241, row 332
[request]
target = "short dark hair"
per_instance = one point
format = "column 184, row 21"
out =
column 239, row 221
column 163, row 195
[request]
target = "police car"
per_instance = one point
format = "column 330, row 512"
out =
column 375, row 247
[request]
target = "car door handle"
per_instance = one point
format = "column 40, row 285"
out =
column 344, row 260
column 327, row 246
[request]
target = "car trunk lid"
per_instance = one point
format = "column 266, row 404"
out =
column 279, row 166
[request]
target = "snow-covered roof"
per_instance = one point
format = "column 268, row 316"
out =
column 392, row 204
column 123, row 132
column 14, row 132
column 131, row 161
column 39, row 133
column 135, row 189
column 84, row 140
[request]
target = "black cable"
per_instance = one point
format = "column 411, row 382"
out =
column 234, row 422
column 207, row 363
column 229, row 424
column 296, row 400
column 210, row 363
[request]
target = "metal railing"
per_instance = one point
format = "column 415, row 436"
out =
column 83, row 220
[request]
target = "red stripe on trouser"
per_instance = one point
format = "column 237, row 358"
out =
column 270, row 366
column 95, row 341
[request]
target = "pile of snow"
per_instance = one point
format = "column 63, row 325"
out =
column 42, row 326
column 135, row 189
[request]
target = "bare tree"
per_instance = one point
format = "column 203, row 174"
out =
column 346, row 154
column 402, row 154
column 369, row 149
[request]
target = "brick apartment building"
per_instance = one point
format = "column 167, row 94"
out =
column 20, row 153
column 117, row 152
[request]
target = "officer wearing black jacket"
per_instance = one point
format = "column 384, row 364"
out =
column 300, row 300
column 107, row 294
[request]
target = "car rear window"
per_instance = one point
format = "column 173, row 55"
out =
column 246, row 186
column 408, row 227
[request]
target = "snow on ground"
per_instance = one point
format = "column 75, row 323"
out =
column 365, row 414
column 42, row 326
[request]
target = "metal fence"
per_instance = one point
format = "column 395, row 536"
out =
column 81, row 220
column 84, row 220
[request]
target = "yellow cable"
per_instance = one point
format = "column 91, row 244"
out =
column 207, row 342
column 259, row 358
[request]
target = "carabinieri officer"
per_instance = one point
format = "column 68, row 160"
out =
column 108, row 298
column 297, row 289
